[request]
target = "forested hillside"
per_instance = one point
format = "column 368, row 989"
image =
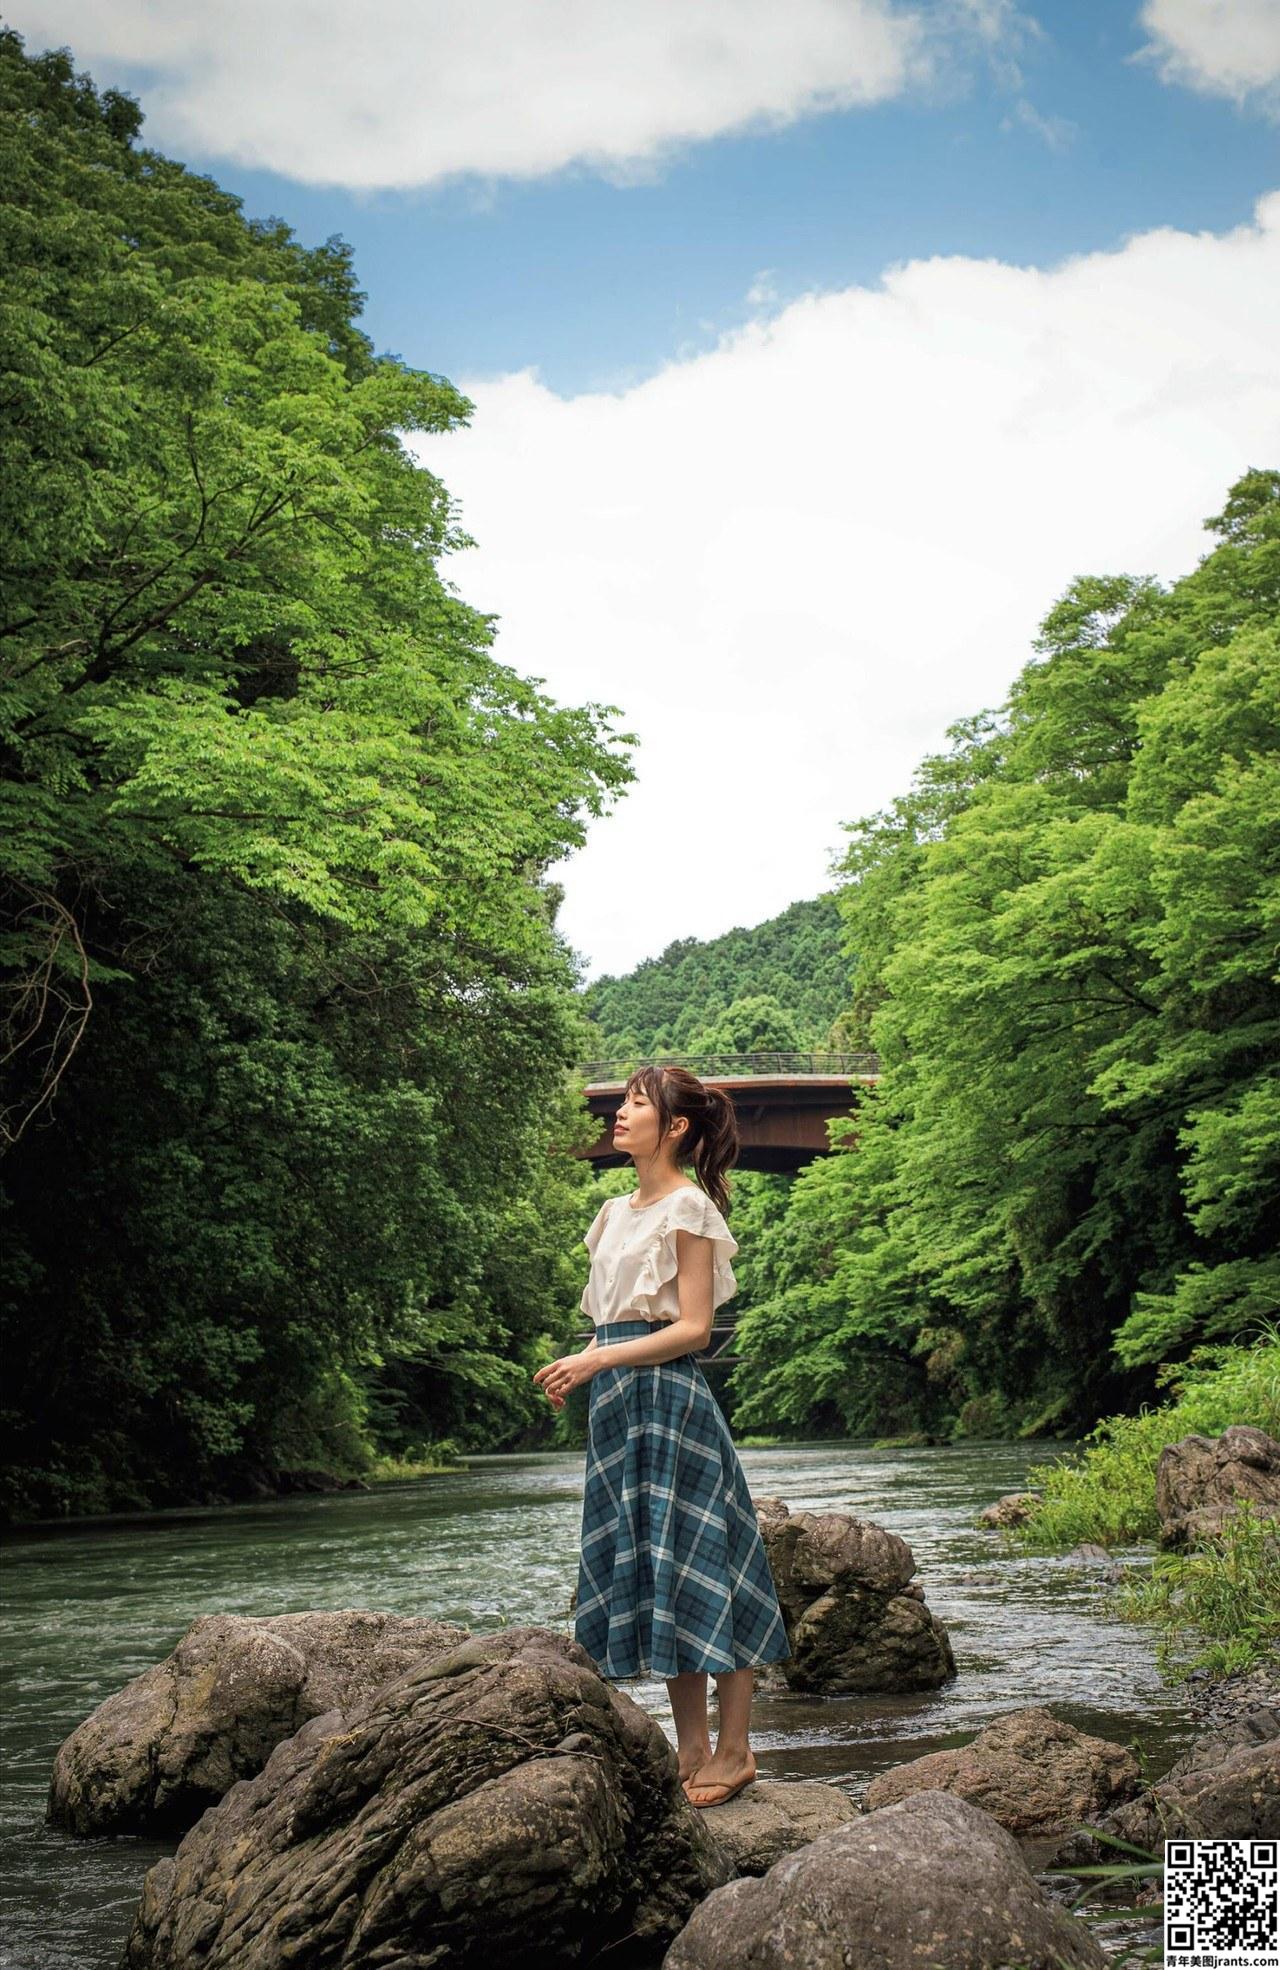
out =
column 1066, row 938
column 783, row 983
column 286, row 1016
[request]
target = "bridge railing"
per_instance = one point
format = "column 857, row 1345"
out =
column 727, row 1066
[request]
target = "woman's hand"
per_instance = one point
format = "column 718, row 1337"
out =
column 570, row 1372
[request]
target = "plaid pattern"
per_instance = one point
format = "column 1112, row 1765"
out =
column 673, row 1574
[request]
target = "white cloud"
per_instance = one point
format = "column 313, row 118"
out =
column 422, row 90
column 794, row 559
column 1220, row 47
column 1000, row 32
column 1058, row 132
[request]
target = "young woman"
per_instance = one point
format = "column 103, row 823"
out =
column 673, row 1579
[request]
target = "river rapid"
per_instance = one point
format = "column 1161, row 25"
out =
column 89, row 1605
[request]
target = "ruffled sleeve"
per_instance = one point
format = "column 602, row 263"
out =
column 689, row 1210
column 591, row 1238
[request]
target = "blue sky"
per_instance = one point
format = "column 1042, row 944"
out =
column 814, row 350
column 596, row 283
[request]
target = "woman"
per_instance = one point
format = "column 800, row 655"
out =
column 673, row 1579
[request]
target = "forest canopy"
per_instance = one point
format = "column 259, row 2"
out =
column 779, row 984
column 286, row 1016
column 1064, row 946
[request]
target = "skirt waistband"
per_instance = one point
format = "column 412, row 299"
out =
column 625, row 1330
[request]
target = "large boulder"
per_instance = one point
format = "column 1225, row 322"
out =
column 855, row 1618
column 1034, row 1774
column 497, row 1805
column 1237, row 1797
column 932, row 1881
column 1011, row 1508
column 1201, row 1480
column 770, row 1818
column 1225, row 1787
column 171, row 1742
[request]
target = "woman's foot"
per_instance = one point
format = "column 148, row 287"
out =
column 719, row 1779
column 691, row 1760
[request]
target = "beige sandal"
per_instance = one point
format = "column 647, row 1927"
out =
column 717, row 1785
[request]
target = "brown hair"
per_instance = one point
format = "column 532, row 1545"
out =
column 711, row 1139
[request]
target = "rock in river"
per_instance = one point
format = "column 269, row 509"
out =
column 771, row 1818
column 1237, row 1799
column 1033, row 1773
column 1226, row 1787
column 497, row 1805
column 170, row 1743
column 856, row 1619
column 1011, row 1508
column 932, row 1881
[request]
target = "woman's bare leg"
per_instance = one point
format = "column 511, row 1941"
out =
column 732, row 1759
column 688, row 1694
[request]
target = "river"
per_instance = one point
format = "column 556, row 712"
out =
column 89, row 1605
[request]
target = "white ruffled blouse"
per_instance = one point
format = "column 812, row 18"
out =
column 633, row 1255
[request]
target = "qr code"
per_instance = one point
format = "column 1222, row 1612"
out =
column 1221, row 1905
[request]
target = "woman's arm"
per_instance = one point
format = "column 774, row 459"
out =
column 692, row 1329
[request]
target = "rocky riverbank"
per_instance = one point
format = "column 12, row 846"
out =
column 1199, row 1482
column 1218, row 1702
column 495, row 1802
column 363, row 1789
column 499, row 1803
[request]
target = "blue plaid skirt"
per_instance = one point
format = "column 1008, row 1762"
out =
column 673, row 1574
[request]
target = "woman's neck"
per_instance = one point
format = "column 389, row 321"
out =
column 654, row 1178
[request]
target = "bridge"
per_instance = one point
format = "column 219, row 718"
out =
column 783, row 1102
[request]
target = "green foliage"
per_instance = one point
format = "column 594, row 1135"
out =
column 1065, row 937
column 1107, row 1494
column 780, row 984
column 419, row 1460
column 288, row 1019
column 1222, row 1598
column 754, row 1023
column 227, row 643
column 1216, row 1606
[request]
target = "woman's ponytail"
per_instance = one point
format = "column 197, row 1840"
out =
column 716, row 1149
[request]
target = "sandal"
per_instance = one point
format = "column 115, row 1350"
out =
column 711, row 1784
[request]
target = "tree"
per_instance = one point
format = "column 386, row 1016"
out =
column 287, row 1014
column 226, row 640
column 755, row 1023
column 1065, row 939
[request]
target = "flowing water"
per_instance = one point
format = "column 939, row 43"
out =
column 89, row 1605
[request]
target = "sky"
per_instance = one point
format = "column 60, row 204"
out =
column 814, row 350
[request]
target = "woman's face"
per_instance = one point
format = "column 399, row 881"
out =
column 636, row 1125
